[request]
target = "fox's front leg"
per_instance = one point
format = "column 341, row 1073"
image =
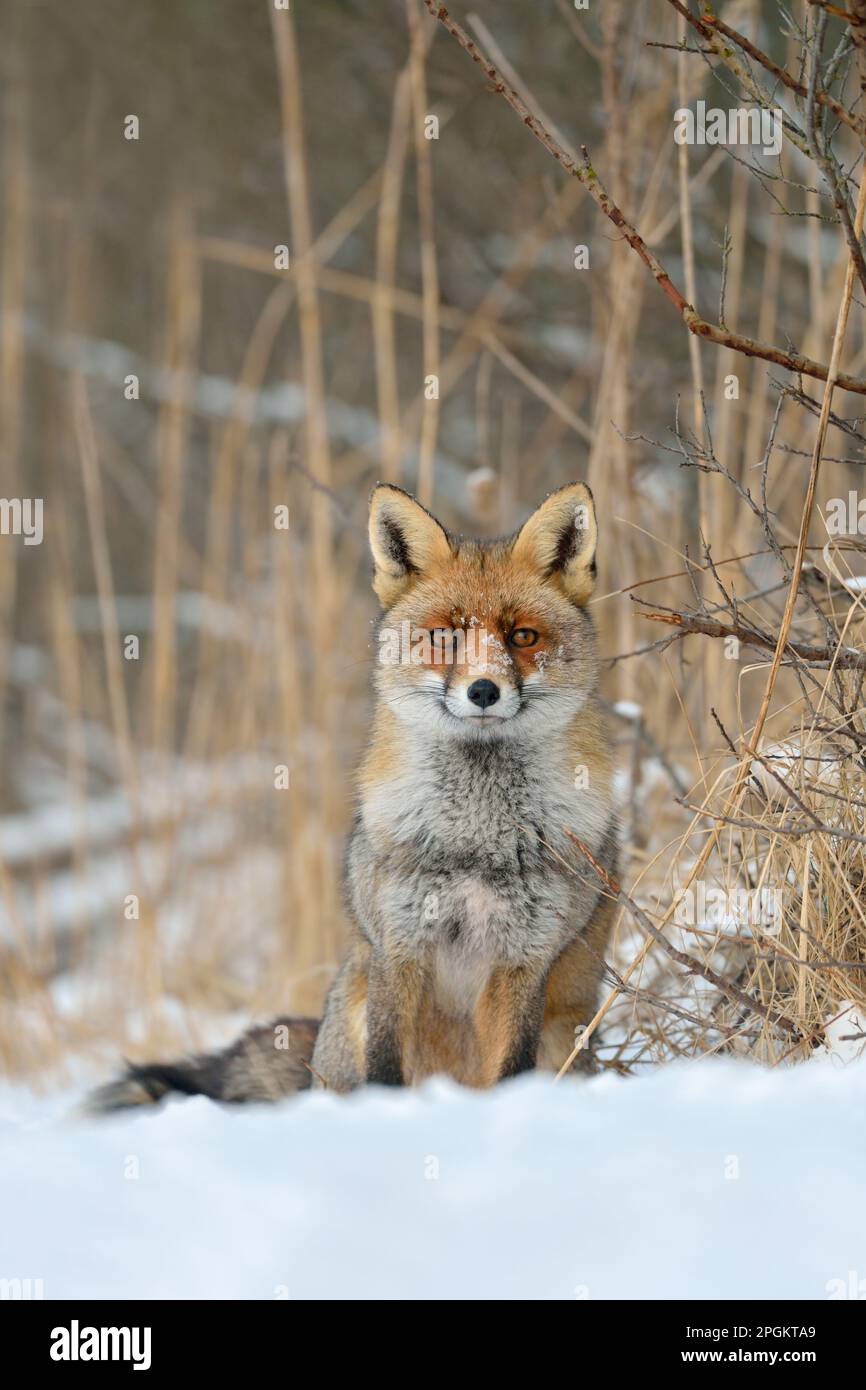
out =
column 510, row 1016
column 393, row 992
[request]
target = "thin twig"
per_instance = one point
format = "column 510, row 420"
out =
column 686, row 623
column 694, row 967
column 587, row 176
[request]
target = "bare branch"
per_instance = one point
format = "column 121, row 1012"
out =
column 782, row 75
column 584, row 172
column 846, row 659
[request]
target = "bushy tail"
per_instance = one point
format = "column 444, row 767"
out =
column 267, row 1063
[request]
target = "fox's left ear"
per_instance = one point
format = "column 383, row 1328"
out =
column 405, row 541
column 559, row 540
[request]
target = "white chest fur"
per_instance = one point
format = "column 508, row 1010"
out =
column 478, row 807
column 464, row 860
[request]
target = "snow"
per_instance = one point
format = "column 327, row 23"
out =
column 627, row 709
column 709, row 1179
column 844, row 1034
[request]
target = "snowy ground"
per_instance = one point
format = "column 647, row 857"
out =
column 706, row 1180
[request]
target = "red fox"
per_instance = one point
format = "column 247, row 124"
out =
column 478, row 940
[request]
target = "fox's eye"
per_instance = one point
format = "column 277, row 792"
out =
column 523, row 637
column 440, row 636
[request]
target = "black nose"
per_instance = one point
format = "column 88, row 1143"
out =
column 483, row 693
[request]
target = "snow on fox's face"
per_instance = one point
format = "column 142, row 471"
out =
column 483, row 640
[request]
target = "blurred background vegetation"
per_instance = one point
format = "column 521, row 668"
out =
column 158, row 887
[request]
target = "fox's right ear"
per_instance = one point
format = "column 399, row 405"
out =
column 405, row 541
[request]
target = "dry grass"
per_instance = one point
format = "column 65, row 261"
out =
column 159, row 886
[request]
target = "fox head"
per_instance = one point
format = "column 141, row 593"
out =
column 485, row 639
